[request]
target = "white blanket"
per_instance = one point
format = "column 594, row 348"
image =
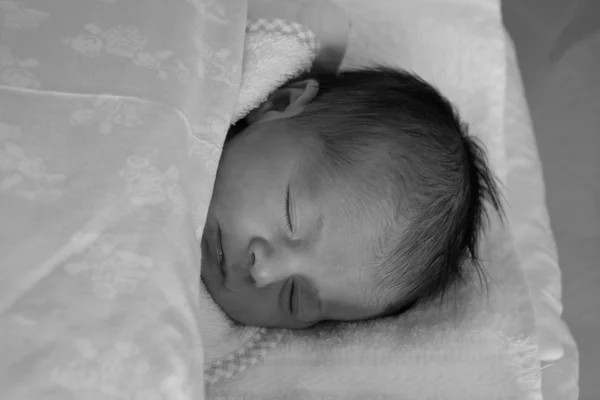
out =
column 112, row 115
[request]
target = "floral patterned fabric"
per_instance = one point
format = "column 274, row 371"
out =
column 112, row 118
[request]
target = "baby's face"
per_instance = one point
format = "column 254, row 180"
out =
column 278, row 251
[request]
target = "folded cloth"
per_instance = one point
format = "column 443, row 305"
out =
column 275, row 51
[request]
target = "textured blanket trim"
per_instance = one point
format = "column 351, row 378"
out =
column 287, row 28
column 252, row 353
column 524, row 355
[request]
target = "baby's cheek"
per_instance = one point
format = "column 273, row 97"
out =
column 246, row 305
column 255, row 306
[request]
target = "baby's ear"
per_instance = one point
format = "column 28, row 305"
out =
column 286, row 101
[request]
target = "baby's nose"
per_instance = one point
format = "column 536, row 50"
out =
column 268, row 264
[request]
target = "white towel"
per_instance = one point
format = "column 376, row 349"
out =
column 275, row 52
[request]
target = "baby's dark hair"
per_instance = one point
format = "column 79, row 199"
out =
column 400, row 133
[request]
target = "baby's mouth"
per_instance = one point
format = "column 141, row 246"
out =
column 210, row 261
column 218, row 248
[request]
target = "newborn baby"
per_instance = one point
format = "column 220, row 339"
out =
column 344, row 198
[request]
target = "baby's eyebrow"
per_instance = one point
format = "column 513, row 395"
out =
column 317, row 228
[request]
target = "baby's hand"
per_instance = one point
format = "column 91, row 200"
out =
column 331, row 25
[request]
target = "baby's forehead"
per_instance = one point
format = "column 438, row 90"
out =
column 353, row 221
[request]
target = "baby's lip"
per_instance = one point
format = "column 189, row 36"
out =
column 210, row 243
column 215, row 246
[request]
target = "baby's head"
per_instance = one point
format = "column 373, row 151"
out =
column 344, row 198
